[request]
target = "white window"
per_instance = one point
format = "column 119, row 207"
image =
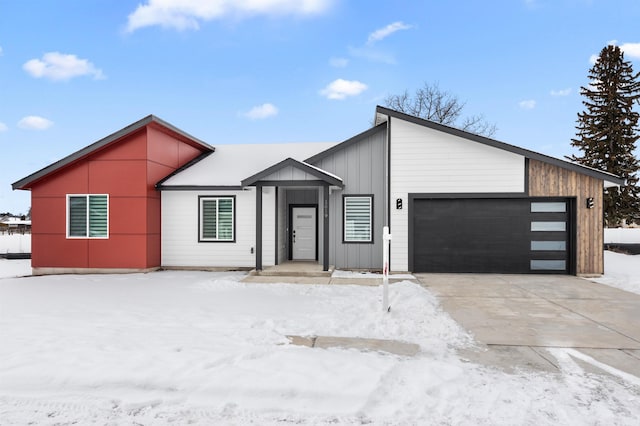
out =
column 88, row 216
column 217, row 219
column 358, row 219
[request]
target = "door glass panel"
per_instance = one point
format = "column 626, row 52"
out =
column 548, row 207
column 549, row 245
column 548, row 226
column 548, row 265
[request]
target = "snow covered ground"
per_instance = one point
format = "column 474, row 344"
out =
column 180, row 347
column 621, row 271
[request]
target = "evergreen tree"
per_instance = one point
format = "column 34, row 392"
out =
column 607, row 132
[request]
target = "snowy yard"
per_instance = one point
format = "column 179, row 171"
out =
column 203, row 348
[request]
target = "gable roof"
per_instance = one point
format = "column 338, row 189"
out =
column 231, row 163
column 322, row 175
column 605, row 176
column 25, row 183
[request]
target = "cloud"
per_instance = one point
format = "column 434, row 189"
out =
column 261, row 112
column 33, row 122
column 528, row 104
column 340, row 89
column 58, row 67
column 0, row 50
column 385, row 32
column 562, row 92
column 3, row 127
column 187, row 14
column 593, row 59
column 338, row 62
column 631, row 49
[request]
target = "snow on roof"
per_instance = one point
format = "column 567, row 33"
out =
column 230, row 164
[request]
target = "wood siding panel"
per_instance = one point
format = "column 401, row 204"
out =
column 546, row 180
column 424, row 160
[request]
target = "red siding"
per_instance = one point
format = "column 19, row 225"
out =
column 127, row 170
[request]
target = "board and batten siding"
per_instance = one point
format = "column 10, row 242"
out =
column 547, row 180
column 180, row 245
column 361, row 167
column 425, row 160
column 289, row 173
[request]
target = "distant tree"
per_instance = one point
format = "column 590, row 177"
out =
column 434, row 104
column 607, row 132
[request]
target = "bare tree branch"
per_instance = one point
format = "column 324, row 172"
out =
column 434, row 104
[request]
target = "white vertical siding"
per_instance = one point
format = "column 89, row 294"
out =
column 424, row 160
column 180, row 246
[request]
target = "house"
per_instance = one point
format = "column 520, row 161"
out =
column 14, row 224
column 454, row 201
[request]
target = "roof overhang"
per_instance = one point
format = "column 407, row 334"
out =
column 150, row 120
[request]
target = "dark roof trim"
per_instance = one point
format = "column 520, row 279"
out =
column 504, row 146
column 314, row 171
column 134, row 127
column 199, row 188
column 184, row 167
column 345, row 144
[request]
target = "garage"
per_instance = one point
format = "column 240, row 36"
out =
column 491, row 235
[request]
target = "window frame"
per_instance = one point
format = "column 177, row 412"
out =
column 344, row 219
column 87, row 218
column 201, row 199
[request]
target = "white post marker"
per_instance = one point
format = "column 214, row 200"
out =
column 386, row 240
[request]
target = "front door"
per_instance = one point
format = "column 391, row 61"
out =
column 303, row 233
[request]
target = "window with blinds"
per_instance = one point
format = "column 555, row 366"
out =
column 217, row 218
column 358, row 215
column 88, row 216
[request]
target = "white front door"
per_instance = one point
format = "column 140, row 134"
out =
column 303, row 233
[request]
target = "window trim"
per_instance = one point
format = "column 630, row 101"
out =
column 344, row 219
column 68, row 218
column 202, row 198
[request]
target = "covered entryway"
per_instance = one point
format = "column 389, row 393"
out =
column 301, row 229
column 491, row 235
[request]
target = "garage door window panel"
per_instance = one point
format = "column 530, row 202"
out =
column 548, row 207
column 548, row 265
column 548, row 245
column 548, row 226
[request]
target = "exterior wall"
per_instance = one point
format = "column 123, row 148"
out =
column 549, row 180
column 424, row 160
column 180, row 245
column 361, row 167
column 127, row 171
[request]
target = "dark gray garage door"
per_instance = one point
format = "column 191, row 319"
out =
column 512, row 235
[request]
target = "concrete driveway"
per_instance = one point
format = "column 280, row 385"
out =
column 518, row 318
